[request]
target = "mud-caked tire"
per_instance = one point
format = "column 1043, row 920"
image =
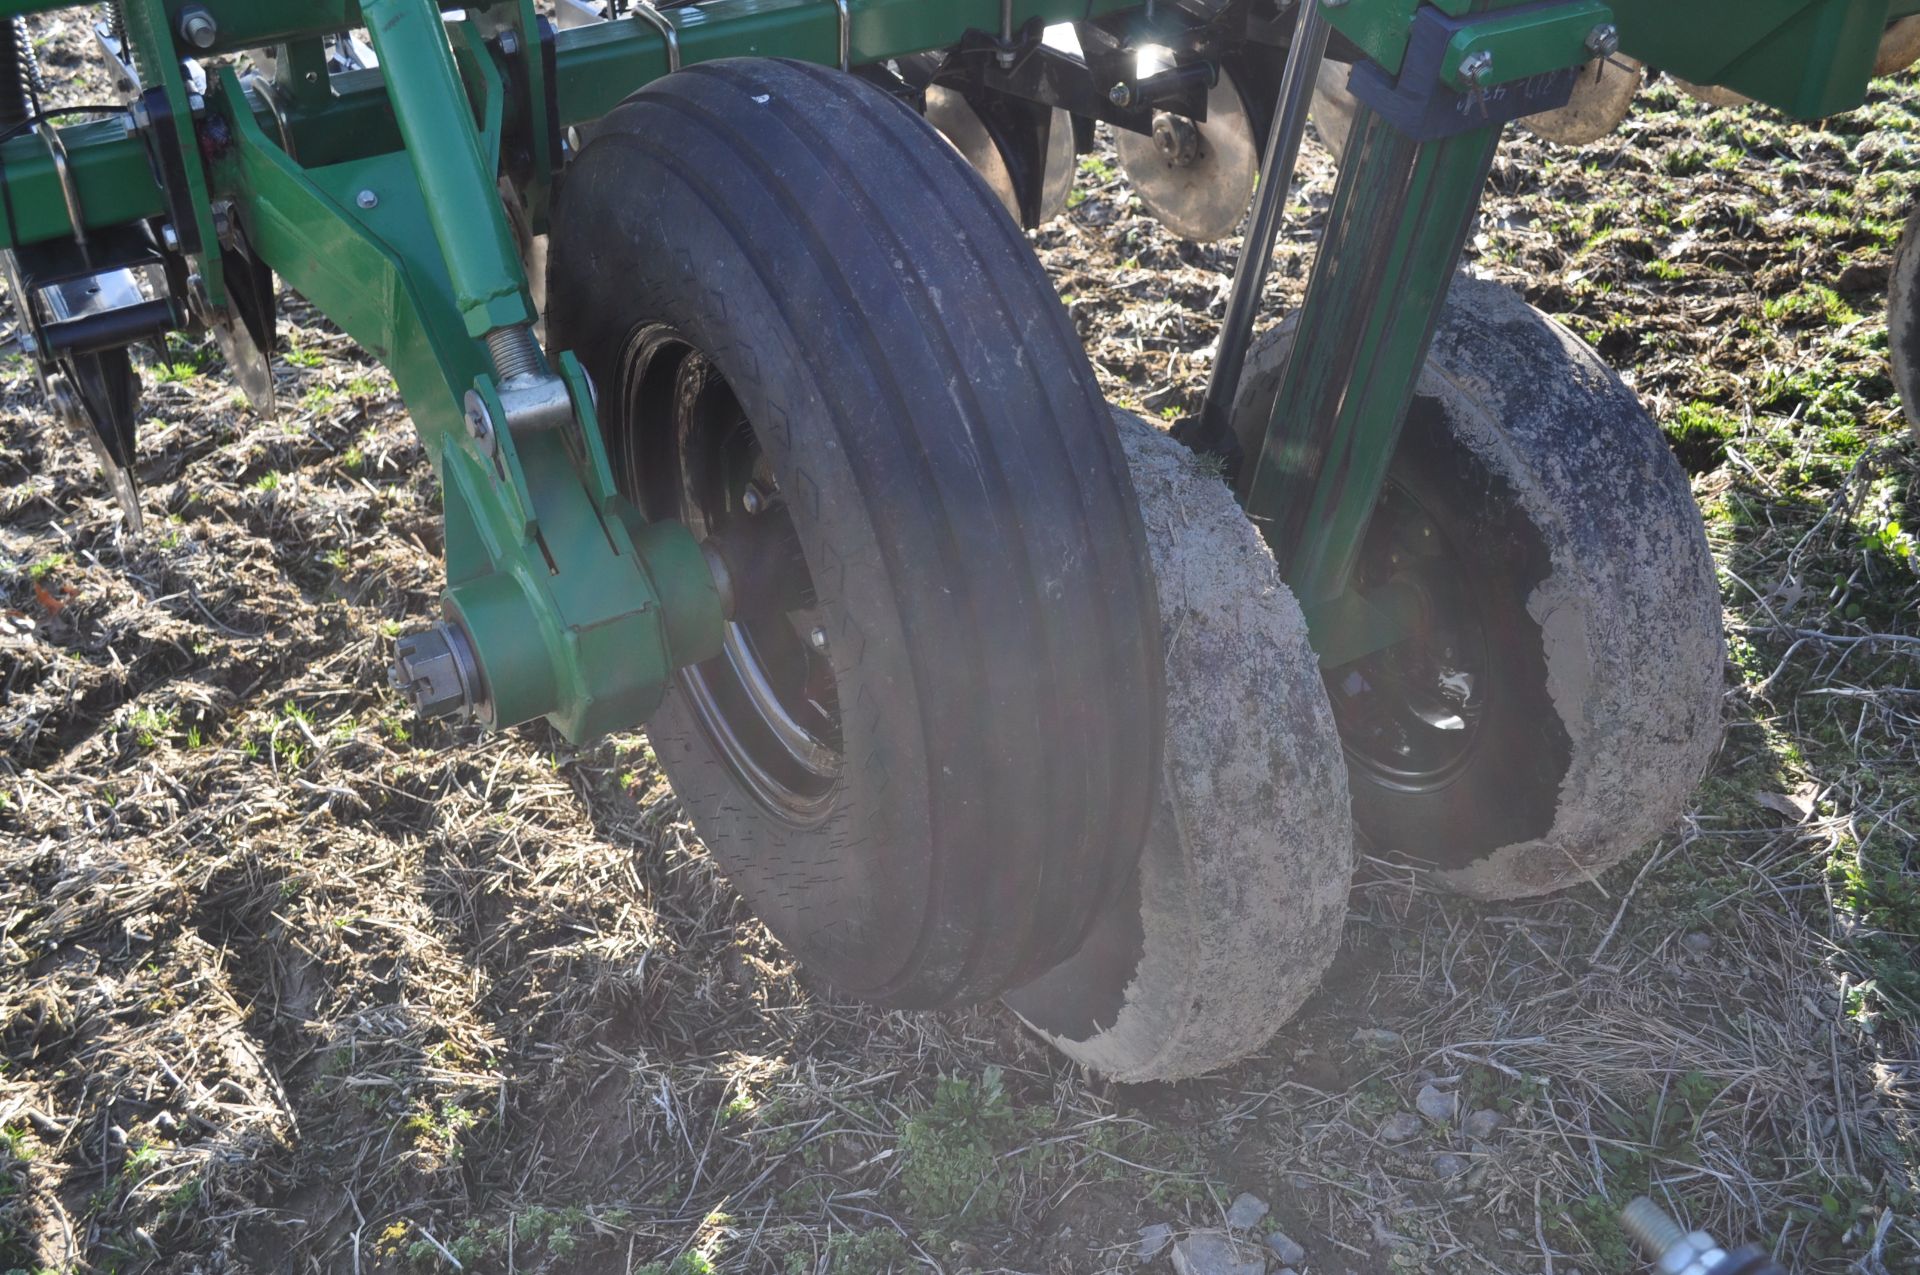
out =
column 1572, row 614
column 1903, row 321
column 927, row 756
column 1237, row 907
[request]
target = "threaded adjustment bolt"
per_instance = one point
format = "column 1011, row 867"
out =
column 1648, row 1225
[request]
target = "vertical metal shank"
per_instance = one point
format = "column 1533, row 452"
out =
column 1304, row 56
column 1400, row 218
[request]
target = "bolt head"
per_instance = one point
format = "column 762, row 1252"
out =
column 367, row 199
column 198, row 28
column 1121, row 95
column 169, row 237
column 752, row 501
column 1604, row 40
column 509, row 44
column 1476, row 66
column 818, row 639
column 479, row 420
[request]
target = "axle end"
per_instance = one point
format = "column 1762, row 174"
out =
column 436, row 672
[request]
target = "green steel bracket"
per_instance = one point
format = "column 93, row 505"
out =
column 1524, row 44
column 576, row 609
column 514, row 27
column 1381, row 28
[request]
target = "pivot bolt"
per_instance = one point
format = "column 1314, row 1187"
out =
column 1604, row 40
column 1476, row 67
column 479, row 421
column 1121, row 94
column 198, row 28
column 436, row 673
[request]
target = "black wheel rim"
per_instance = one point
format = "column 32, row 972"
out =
column 684, row 449
column 1411, row 715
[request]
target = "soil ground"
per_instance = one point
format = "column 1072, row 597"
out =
column 290, row 981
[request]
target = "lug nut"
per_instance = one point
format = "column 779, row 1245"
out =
column 198, row 28
column 435, row 671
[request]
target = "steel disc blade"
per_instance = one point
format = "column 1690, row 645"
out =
column 951, row 113
column 1899, row 48
column 1061, row 164
column 1333, row 109
column 1203, row 196
column 1600, row 103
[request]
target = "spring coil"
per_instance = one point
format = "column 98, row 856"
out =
column 20, row 79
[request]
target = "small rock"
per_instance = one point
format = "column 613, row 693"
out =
column 1399, row 1126
column 1436, row 1106
column 1449, row 1165
column 1376, row 1038
column 1698, row 943
column 1245, row 1212
column 1215, row 1253
column 1153, row 1241
column 1289, row 1253
column 1481, row 1124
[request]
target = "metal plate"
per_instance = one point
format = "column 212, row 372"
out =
column 1200, row 197
column 1600, row 104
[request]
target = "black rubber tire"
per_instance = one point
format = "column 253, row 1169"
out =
column 1903, row 321
column 1586, row 564
column 1237, row 908
column 958, row 495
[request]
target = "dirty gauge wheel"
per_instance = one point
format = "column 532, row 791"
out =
column 1242, row 889
column 926, row 755
column 1561, row 696
column 1903, row 321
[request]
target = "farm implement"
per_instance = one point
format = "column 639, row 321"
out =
column 758, row 424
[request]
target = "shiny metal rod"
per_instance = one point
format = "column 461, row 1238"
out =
column 1304, row 55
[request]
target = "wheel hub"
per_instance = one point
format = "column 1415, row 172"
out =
column 768, row 702
column 1177, row 137
column 1411, row 714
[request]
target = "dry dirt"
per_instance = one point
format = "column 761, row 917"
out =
column 292, row 982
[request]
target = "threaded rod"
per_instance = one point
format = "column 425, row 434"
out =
column 515, row 352
column 1651, row 1228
